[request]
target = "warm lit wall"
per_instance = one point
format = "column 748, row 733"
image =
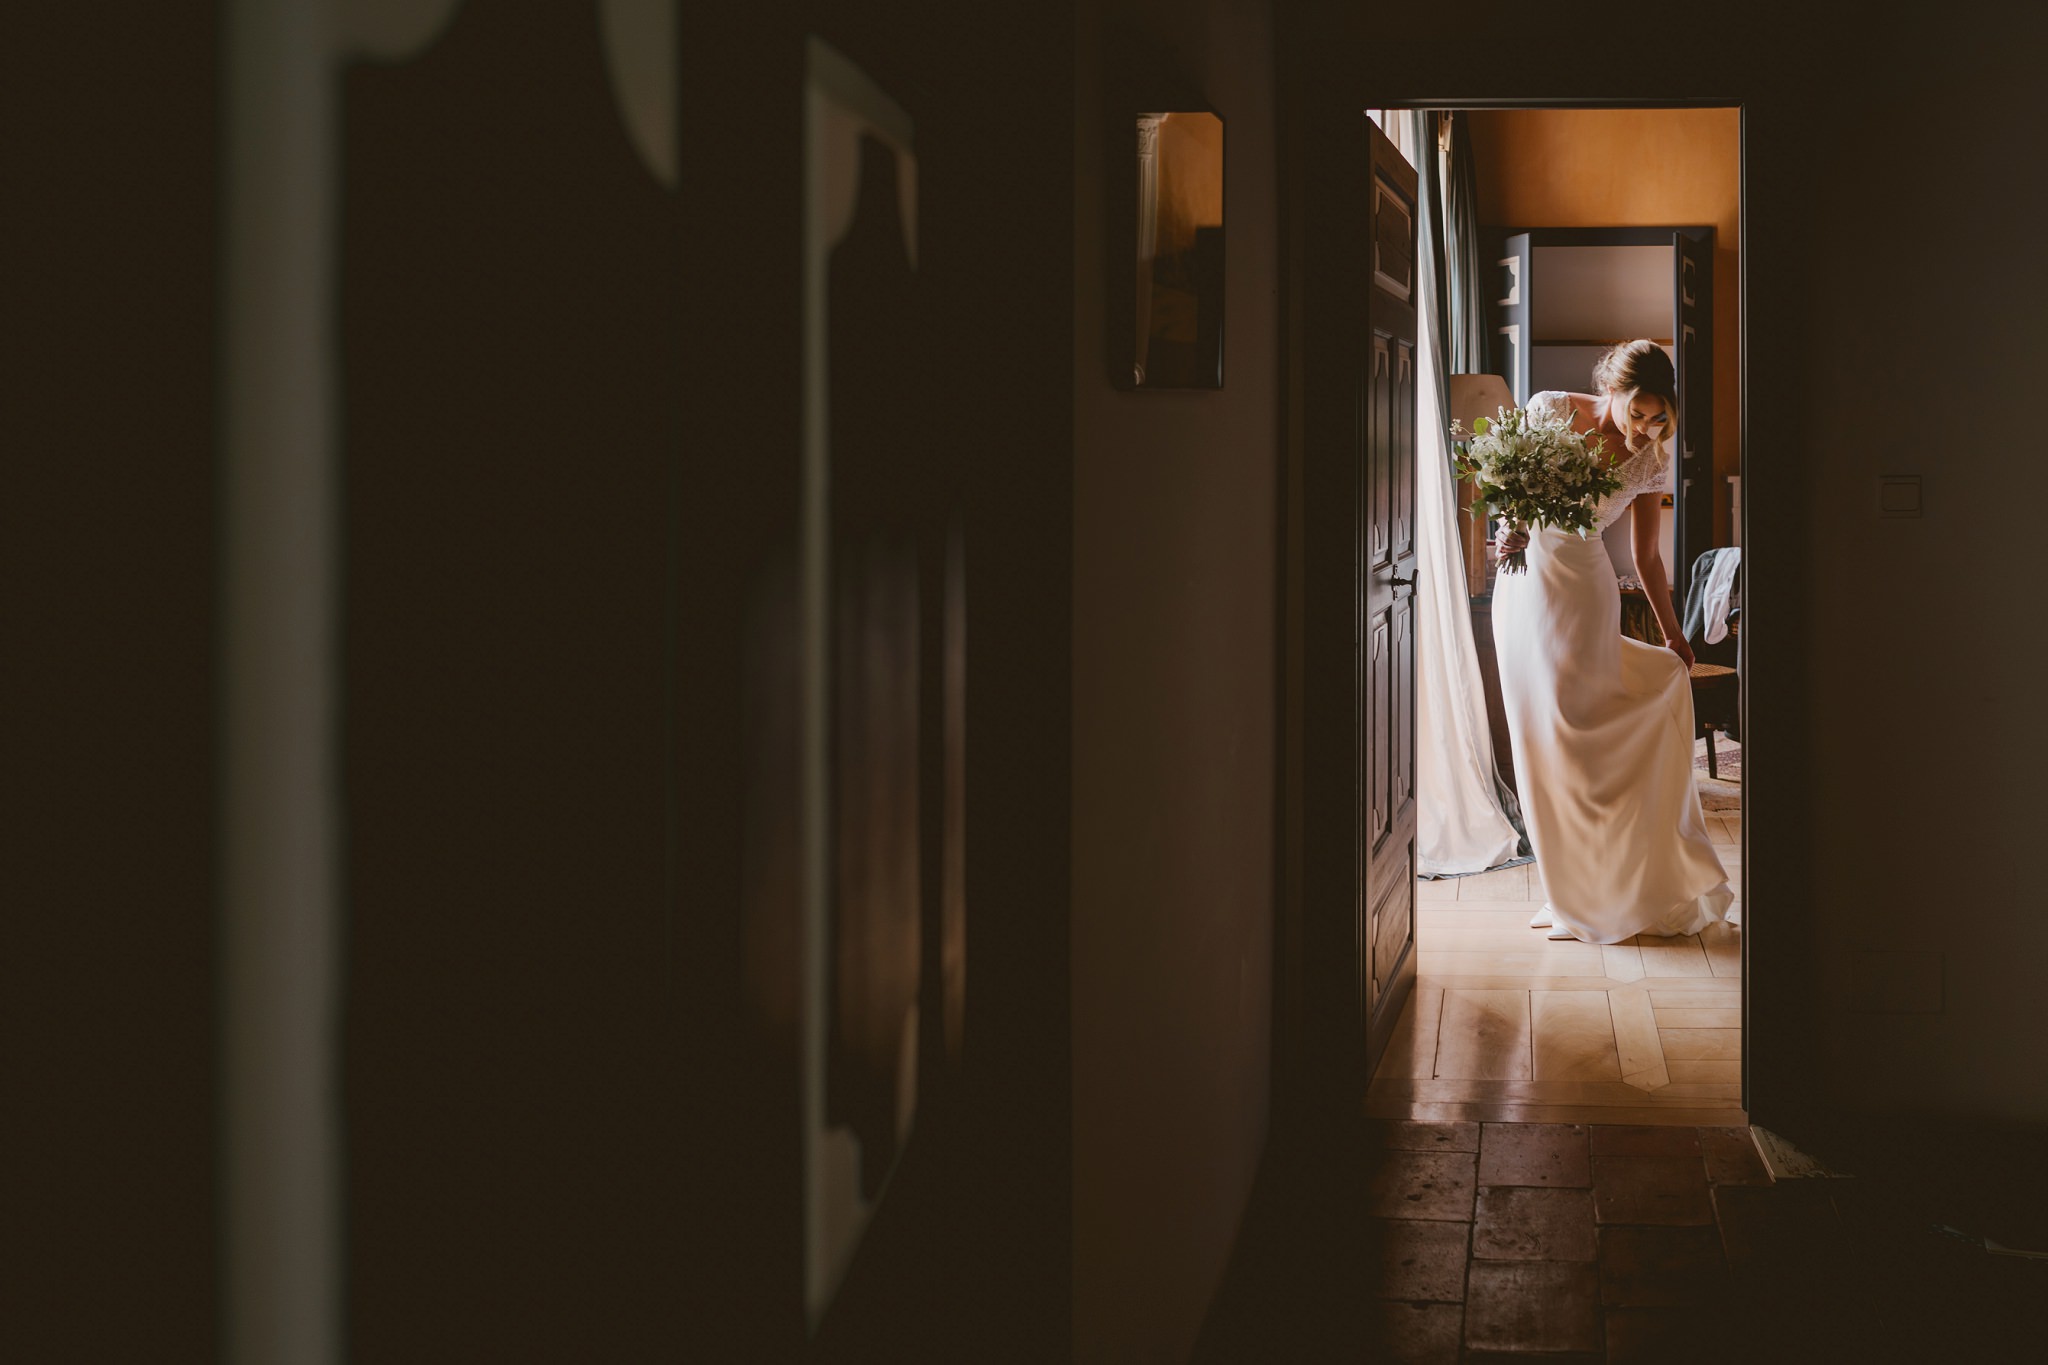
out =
column 1175, row 563
column 1631, row 168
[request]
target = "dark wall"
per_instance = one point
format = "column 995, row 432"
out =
column 1176, row 565
column 573, row 421
column 107, row 593
column 1890, row 929
column 510, row 344
column 967, row 1253
column 738, row 487
column 569, row 422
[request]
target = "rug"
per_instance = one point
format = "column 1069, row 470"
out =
column 1723, row 792
column 1727, row 757
column 1718, row 796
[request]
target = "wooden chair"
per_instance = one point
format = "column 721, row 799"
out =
column 1716, row 704
column 1716, row 687
column 1717, row 682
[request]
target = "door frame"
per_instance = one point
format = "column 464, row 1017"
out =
column 1306, row 1083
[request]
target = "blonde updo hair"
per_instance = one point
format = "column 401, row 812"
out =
column 1639, row 366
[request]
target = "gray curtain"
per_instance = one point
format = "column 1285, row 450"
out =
column 1429, row 247
column 1464, row 300
column 1448, row 243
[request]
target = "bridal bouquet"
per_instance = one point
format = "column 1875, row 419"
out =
column 1533, row 473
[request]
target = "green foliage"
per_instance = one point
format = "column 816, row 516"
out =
column 1532, row 473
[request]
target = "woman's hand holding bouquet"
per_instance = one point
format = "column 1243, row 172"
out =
column 1532, row 473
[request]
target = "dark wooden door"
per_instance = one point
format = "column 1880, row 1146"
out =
column 1693, row 492
column 1356, row 285
column 1385, row 902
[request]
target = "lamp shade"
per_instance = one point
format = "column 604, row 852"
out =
column 1478, row 395
column 1474, row 396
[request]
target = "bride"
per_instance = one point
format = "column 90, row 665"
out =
column 1601, row 725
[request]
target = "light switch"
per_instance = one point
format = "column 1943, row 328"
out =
column 1898, row 495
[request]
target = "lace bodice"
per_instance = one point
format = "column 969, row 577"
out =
column 1643, row 472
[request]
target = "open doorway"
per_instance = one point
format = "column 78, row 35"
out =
column 1585, row 228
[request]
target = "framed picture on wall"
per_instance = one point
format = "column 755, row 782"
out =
column 1175, row 294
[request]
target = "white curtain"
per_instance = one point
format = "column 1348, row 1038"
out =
column 1460, row 826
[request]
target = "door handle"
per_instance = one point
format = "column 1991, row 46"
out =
column 1396, row 582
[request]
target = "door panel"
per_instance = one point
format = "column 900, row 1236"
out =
column 1402, row 413
column 1402, row 778
column 1379, row 720
column 1379, row 474
column 1390, row 931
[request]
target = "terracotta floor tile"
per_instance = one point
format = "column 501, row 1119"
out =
column 1732, row 1157
column 1407, row 1135
column 1550, row 1154
column 1520, row 1224
column 1436, row 1185
column 1417, row 1333
column 1422, row 1260
column 1811, row 1334
column 1665, row 1190
column 1785, row 1242
column 1670, row 1336
column 1614, row 1139
column 1532, row 1306
column 1661, row 1267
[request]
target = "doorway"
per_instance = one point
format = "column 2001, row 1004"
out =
column 1497, row 1022
column 1596, row 226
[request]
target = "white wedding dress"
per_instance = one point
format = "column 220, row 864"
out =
column 1602, row 733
